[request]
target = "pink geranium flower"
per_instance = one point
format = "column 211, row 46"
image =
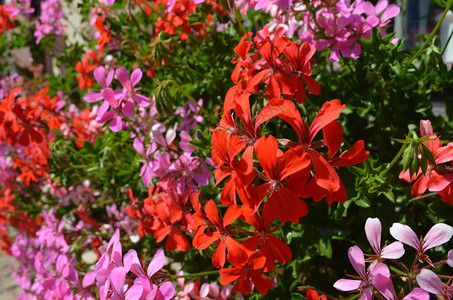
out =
column 373, row 233
column 437, row 235
column 385, row 286
column 364, row 280
column 430, row 282
column 129, row 91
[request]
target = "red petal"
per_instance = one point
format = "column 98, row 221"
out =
column 325, row 175
column 329, row 112
column 266, row 152
column 229, row 275
column 333, row 137
column 355, row 155
column 262, row 283
column 212, row 213
column 218, row 259
column 206, row 239
column 293, row 161
column 233, row 212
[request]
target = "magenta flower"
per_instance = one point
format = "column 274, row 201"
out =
column 373, row 230
column 364, row 280
column 437, row 235
column 104, row 115
column 103, row 80
column 381, row 14
column 385, row 286
column 129, row 92
column 430, row 282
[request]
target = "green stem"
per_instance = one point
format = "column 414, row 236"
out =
column 431, row 35
column 216, row 272
column 238, row 16
column 395, row 159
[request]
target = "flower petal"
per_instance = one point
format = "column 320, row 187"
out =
column 385, row 286
column 373, row 231
column 430, row 282
column 347, row 285
column 437, row 235
column 393, row 251
column 417, row 294
column 156, row 263
column 357, row 260
column 405, row 234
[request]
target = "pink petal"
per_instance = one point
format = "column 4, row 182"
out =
column 393, row 251
column 92, row 97
column 116, row 124
column 128, row 108
column 102, row 110
column 417, row 294
column 357, row 260
column 367, row 294
column 430, row 282
column 99, row 75
column 132, row 263
column 135, row 291
column 89, row 278
column 122, row 75
column 405, row 234
column 347, row 285
column 437, row 235
column 392, row 11
column 373, row 230
column 166, row 291
column 156, row 263
column 385, row 286
column 381, row 5
column 204, row 290
column 141, row 100
column 136, row 76
column 450, row 258
column 109, row 96
column 379, row 269
column 117, row 279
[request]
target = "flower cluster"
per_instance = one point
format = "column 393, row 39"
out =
column 338, row 26
column 50, row 20
column 113, row 272
column 280, row 177
column 47, row 269
column 378, row 277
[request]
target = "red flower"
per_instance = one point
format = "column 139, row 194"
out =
column 247, row 267
column 225, row 148
column 221, row 234
column 282, row 203
column 313, row 295
column 271, row 247
column 299, row 58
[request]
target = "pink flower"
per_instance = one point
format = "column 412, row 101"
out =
column 364, row 283
column 385, row 286
column 373, row 233
column 437, row 235
column 430, row 282
column 103, row 80
column 129, row 92
column 381, row 14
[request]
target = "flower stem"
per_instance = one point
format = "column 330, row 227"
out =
column 395, row 159
column 432, row 34
column 216, row 272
